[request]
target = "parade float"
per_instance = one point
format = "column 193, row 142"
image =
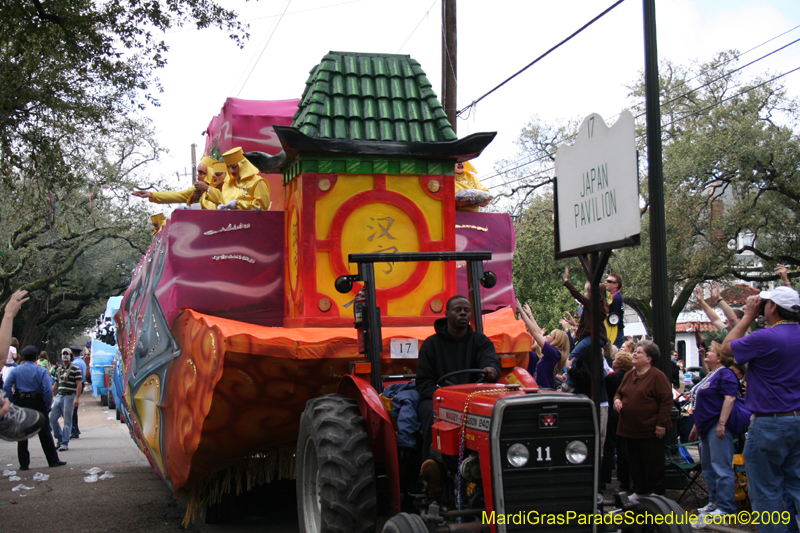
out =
column 232, row 323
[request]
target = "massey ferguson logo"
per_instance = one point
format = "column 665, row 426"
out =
column 548, row 421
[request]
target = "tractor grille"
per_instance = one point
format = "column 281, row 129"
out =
column 548, row 484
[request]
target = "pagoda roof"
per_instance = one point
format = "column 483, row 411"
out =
column 374, row 104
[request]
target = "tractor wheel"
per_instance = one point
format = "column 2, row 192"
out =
column 104, row 400
column 335, row 470
column 658, row 505
column 111, row 403
column 405, row 523
column 119, row 416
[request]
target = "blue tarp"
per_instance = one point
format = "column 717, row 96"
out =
column 102, row 356
column 112, row 306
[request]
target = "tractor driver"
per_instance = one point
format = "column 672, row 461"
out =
column 454, row 346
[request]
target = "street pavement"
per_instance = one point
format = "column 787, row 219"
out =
column 134, row 500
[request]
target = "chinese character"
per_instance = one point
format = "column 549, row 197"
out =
column 383, row 227
column 391, row 250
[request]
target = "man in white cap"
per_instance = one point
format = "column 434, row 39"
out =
column 244, row 188
column 68, row 389
column 772, row 451
column 178, row 197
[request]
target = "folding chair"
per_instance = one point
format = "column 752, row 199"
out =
column 681, row 459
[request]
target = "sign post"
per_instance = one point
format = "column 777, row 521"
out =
column 597, row 208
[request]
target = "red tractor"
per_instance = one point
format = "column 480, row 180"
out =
column 511, row 457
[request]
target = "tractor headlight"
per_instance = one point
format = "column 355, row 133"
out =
column 518, row 455
column 577, row 452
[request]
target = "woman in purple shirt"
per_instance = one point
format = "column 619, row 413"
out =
column 554, row 348
column 712, row 403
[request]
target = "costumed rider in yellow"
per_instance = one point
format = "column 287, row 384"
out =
column 471, row 195
column 158, row 222
column 243, row 188
column 179, row 197
column 210, row 195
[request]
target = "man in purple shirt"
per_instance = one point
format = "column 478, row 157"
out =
column 772, row 451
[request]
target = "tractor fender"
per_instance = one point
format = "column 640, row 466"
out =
column 380, row 430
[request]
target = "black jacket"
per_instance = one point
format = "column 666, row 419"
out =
column 441, row 354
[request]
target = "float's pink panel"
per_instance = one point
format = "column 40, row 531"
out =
column 493, row 232
column 225, row 263
column 248, row 123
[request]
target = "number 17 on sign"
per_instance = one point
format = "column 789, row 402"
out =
column 404, row 348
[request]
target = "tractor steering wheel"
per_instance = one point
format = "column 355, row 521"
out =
column 445, row 380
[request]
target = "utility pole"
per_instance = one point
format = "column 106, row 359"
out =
column 449, row 60
column 662, row 303
column 194, row 163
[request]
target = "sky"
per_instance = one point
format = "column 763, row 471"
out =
column 589, row 74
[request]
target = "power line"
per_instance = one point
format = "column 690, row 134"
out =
column 274, row 29
column 427, row 13
column 734, row 58
column 726, row 75
column 515, row 180
column 504, row 170
column 579, row 30
column 684, row 117
column 740, row 93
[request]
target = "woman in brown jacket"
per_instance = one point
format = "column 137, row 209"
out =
column 644, row 402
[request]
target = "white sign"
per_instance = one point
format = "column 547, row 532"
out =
column 597, row 188
column 404, row 348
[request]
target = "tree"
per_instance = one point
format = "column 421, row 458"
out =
column 71, row 72
column 74, row 246
column 532, row 171
column 68, row 69
column 537, row 275
column 730, row 158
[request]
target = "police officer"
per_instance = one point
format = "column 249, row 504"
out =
column 33, row 389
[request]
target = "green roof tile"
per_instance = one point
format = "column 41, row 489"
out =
column 415, row 132
column 401, row 131
column 371, row 130
column 367, row 87
column 384, row 108
column 356, row 129
column 339, row 109
column 326, row 129
column 398, row 110
column 369, row 108
column 354, row 108
column 385, row 127
column 350, row 65
column 337, row 85
column 411, row 90
column 397, row 88
column 371, row 97
column 413, row 112
column 340, row 128
column 364, row 65
column 382, row 87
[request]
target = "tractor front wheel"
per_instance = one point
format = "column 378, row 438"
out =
column 405, row 523
column 335, row 469
column 658, row 505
